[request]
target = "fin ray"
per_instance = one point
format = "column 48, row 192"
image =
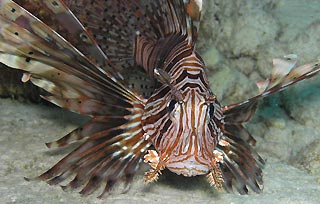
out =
column 283, row 76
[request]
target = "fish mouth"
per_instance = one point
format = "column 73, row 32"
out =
column 187, row 167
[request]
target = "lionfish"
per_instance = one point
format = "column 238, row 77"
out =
column 132, row 67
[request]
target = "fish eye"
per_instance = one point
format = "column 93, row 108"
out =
column 171, row 105
column 211, row 110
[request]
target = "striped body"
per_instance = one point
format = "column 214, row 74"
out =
column 184, row 133
column 132, row 68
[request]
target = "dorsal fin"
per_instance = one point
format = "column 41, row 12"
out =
column 114, row 24
column 193, row 10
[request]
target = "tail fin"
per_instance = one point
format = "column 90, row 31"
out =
column 242, row 165
column 111, row 143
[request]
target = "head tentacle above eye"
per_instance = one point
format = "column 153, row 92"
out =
column 164, row 78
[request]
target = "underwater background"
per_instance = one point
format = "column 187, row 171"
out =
column 238, row 40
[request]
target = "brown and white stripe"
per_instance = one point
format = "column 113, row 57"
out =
column 184, row 131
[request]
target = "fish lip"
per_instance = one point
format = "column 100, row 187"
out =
column 188, row 167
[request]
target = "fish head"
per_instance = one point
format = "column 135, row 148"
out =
column 184, row 126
